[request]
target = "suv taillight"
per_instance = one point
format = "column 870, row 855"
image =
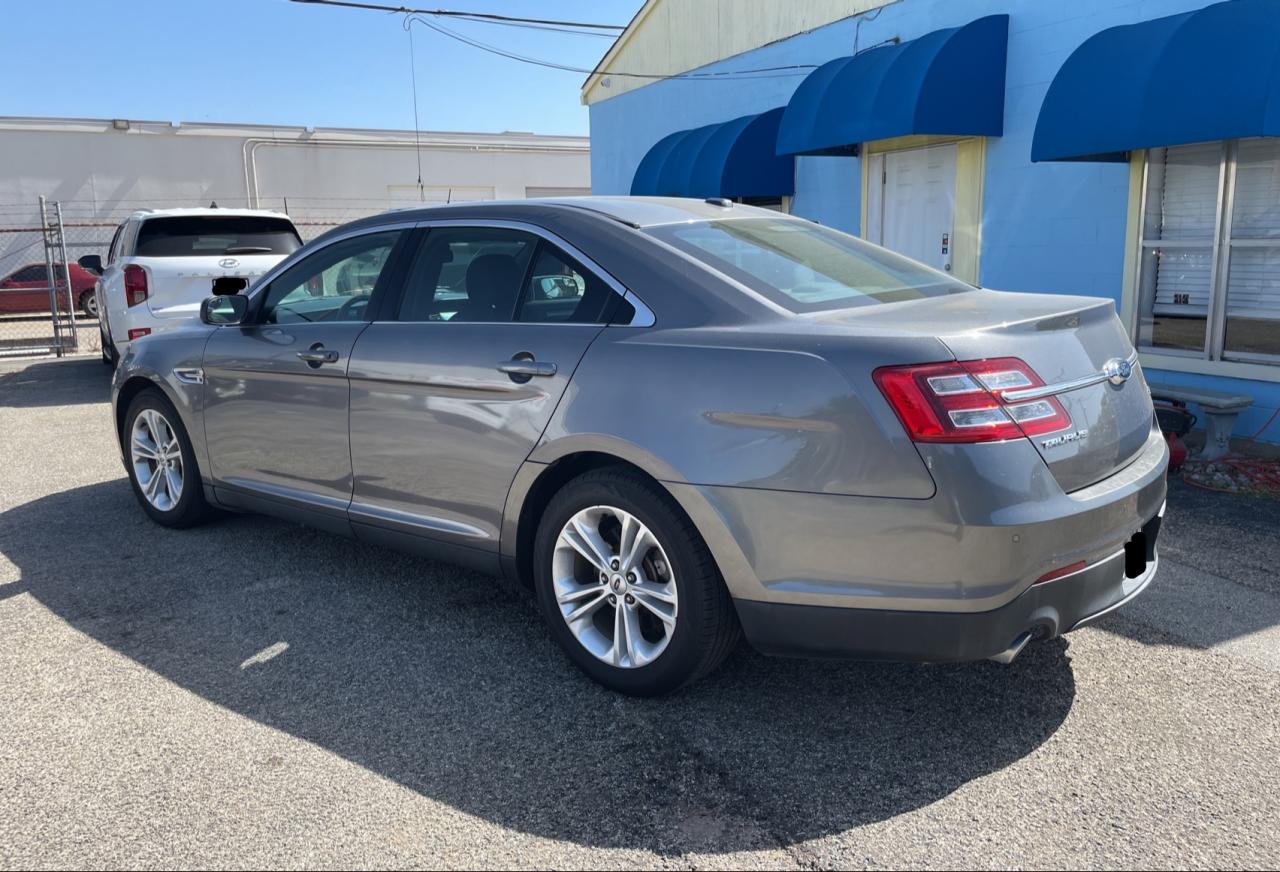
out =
column 135, row 284
column 963, row 401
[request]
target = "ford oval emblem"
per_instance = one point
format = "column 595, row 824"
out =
column 1117, row 371
column 228, row 263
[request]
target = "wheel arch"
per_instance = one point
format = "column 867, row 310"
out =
column 135, row 385
column 535, row 485
column 542, row 476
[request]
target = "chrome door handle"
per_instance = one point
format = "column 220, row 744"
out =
column 317, row 355
column 527, row 368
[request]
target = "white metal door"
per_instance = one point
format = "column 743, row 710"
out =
column 913, row 210
column 875, row 198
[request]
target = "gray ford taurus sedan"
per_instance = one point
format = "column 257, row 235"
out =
column 676, row 421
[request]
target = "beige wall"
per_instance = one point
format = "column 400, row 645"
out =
column 675, row 36
column 971, row 161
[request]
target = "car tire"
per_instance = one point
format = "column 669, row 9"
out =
column 669, row 556
column 108, row 349
column 88, row 303
column 153, row 464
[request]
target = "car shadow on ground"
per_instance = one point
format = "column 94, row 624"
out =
column 447, row 683
column 66, row 382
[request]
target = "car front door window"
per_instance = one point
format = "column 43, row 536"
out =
column 32, row 275
column 113, row 250
column 333, row 285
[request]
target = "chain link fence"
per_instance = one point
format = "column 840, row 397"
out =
column 37, row 286
column 28, row 325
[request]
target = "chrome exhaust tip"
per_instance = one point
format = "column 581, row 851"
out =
column 1007, row 655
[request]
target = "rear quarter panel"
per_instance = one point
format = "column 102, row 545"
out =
column 724, row 408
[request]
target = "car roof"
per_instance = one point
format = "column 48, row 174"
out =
column 639, row 212
column 215, row 212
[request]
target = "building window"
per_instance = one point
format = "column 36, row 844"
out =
column 1210, row 280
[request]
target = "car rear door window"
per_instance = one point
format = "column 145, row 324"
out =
column 468, row 274
column 559, row 290
column 500, row 275
column 207, row 235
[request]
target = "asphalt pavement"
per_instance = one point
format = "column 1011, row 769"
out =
column 255, row 694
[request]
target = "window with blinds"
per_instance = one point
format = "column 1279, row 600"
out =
column 1210, row 279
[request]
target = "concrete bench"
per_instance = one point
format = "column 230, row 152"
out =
column 1220, row 412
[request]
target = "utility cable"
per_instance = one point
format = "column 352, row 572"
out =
column 476, row 16
column 756, row 73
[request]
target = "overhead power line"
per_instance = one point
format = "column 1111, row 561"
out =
column 423, row 16
column 756, row 73
column 475, row 16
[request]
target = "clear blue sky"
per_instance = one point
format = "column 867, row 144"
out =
column 273, row 61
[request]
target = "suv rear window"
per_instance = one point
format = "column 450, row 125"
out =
column 198, row 235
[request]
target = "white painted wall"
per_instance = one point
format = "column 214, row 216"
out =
column 99, row 172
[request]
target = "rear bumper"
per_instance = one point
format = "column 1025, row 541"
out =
column 1042, row 611
column 998, row 522
column 953, row 577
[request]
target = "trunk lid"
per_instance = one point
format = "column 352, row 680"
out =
column 1063, row 339
column 177, row 285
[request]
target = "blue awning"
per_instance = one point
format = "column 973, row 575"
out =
column 948, row 82
column 645, row 180
column 676, row 176
column 731, row 159
column 1196, row 77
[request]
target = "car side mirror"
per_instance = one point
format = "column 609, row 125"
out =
column 224, row 309
column 91, row 262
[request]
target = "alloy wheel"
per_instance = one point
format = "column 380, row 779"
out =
column 615, row 587
column 157, row 459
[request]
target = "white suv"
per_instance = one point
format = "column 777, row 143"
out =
column 164, row 262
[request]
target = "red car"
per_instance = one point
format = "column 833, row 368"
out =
column 26, row 289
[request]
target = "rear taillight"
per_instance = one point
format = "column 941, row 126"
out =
column 135, row 284
column 963, row 401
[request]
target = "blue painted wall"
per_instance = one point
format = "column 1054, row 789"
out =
column 1046, row 227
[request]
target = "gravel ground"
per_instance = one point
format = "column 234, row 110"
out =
column 254, row 694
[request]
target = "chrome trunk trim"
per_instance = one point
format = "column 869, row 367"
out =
column 1074, row 384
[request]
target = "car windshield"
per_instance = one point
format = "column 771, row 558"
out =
column 196, row 235
column 805, row 267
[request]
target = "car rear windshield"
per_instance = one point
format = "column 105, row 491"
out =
column 805, row 267
column 209, row 235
